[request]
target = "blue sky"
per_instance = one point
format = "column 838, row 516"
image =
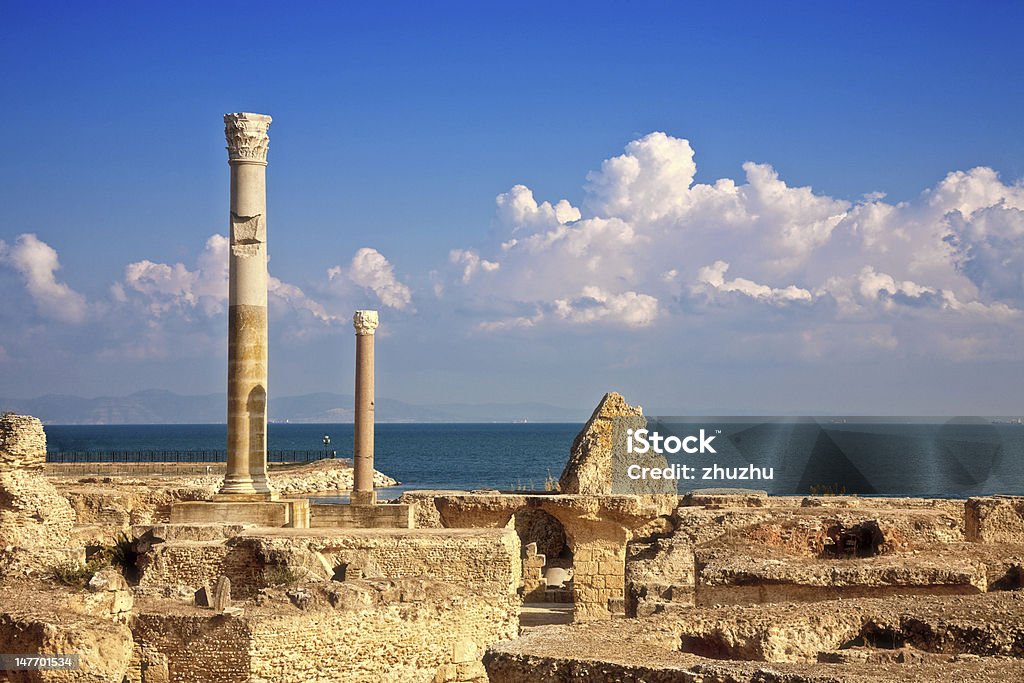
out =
column 397, row 126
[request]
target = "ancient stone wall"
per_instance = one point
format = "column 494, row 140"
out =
column 414, row 630
column 599, row 575
column 427, row 641
column 391, row 516
column 49, row 621
column 188, row 647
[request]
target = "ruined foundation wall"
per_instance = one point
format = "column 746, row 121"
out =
column 421, row 631
column 181, row 647
column 408, row 642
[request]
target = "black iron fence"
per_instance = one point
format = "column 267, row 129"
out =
column 182, row 456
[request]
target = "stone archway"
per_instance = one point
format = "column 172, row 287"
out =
column 547, row 557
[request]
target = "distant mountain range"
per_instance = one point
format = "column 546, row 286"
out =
column 165, row 407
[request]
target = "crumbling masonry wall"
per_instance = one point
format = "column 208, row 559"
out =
column 420, row 631
column 35, row 520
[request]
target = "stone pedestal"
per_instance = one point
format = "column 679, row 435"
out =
column 287, row 512
column 365, row 323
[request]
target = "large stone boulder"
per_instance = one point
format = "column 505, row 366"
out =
column 589, row 470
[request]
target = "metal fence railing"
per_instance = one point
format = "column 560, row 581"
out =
column 180, row 456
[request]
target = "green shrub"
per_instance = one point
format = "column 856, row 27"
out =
column 279, row 575
column 76, row 574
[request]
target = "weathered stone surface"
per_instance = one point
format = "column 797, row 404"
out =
column 221, row 597
column 659, row 574
column 22, row 443
column 789, row 637
column 481, row 557
column 32, row 513
column 994, row 519
column 596, row 527
column 49, row 622
column 714, row 499
column 35, row 520
column 726, row 577
column 589, row 469
column 537, row 526
column 364, row 631
column 107, row 579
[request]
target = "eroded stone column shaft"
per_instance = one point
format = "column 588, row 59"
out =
column 365, row 323
column 247, row 305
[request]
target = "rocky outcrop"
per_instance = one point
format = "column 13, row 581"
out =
column 589, row 469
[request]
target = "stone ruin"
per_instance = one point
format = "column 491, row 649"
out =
column 35, row 519
column 715, row 585
column 238, row 584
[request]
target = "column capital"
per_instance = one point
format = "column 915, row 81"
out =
column 247, row 137
column 365, row 322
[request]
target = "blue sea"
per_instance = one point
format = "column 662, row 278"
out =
column 420, row 456
column 951, row 458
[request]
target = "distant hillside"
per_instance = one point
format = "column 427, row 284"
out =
column 165, row 407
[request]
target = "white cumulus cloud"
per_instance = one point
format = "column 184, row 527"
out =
column 37, row 263
column 370, row 270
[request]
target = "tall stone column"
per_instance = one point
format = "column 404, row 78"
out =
column 247, row 306
column 365, row 323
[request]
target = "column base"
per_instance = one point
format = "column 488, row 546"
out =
column 221, row 497
column 245, row 487
column 363, row 498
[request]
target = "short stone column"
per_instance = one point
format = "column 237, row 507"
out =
column 365, row 323
column 247, row 306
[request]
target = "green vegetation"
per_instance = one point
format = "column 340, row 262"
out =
column 76, row 574
column 278, row 575
column 121, row 555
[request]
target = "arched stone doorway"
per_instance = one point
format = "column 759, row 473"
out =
column 547, row 567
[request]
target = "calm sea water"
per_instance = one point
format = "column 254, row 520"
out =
column 421, row 456
column 950, row 459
